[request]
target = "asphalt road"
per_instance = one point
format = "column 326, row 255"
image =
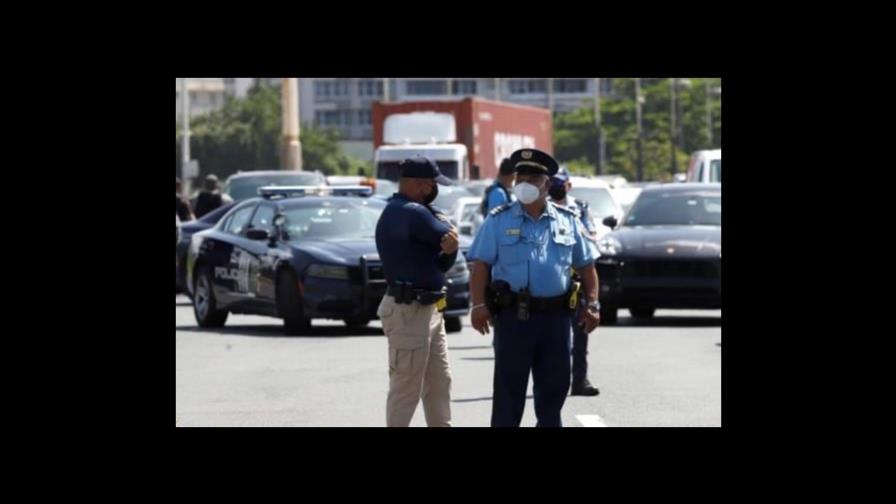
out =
column 666, row 371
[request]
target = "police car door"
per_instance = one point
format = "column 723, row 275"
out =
column 262, row 255
column 234, row 260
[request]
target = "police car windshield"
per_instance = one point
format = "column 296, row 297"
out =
column 659, row 209
column 598, row 198
column 215, row 215
column 247, row 187
column 330, row 220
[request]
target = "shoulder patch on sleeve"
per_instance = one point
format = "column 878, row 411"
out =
column 500, row 208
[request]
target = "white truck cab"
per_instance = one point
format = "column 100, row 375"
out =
column 451, row 158
column 705, row 166
column 429, row 134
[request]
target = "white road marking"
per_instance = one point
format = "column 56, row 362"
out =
column 591, row 420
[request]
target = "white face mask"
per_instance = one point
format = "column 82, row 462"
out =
column 526, row 192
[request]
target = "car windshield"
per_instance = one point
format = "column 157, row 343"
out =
column 683, row 209
column 715, row 170
column 598, row 199
column 477, row 188
column 448, row 195
column 386, row 187
column 469, row 212
column 247, row 187
column 332, row 220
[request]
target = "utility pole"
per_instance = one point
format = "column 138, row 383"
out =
column 638, row 100
column 551, row 96
column 672, row 124
column 185, row 135
column 600, row 134
column 708, row 114
column 291, row 151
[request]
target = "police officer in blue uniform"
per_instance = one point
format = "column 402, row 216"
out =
column 530, row 247
column 559, row 192
column 417, row 245
column 499, row 193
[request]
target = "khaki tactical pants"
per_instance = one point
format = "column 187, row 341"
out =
column 418, row 363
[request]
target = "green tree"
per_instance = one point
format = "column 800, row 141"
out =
column 575, row 132
column 245, row 135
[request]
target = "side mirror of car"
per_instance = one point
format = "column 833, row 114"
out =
column 610, row 222
column 257, row 234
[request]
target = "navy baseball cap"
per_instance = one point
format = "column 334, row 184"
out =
column 562, row 176
column 534, row 161
column 423, row 167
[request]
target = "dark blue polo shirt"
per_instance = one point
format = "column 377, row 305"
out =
column 408, row 239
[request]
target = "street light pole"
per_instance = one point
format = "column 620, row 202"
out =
column 708, row 114
column 291, row 152
column 185, row 134
column 551, row 95
column 640, row 166
column 600, row 134
column 672, row 124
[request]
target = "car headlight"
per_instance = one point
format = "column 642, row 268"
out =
column 333, row 272
column 609, row 246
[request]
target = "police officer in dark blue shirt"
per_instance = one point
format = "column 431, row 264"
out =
column 417, row 245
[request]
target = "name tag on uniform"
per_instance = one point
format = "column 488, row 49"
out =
column 512, row 232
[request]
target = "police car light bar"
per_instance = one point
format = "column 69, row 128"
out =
column 290, row 191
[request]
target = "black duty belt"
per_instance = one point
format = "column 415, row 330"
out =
column 404, row 294
column 560, row 302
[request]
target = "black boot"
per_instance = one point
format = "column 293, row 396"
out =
column 584, row 388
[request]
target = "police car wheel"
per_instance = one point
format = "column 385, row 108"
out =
column 642, row 312
column 289, row 304
column 452, row 324
column 608, row 315
column 204, row 304
column 357, row 322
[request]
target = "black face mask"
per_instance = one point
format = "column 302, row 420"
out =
column 558, row 192
column 429, row 198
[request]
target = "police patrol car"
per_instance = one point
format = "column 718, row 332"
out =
column 299, row 253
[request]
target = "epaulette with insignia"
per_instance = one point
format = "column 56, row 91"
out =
column 500, row 208
column 565, row 209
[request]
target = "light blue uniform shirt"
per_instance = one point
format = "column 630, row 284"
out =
column 539, row 253
column 496, row 197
